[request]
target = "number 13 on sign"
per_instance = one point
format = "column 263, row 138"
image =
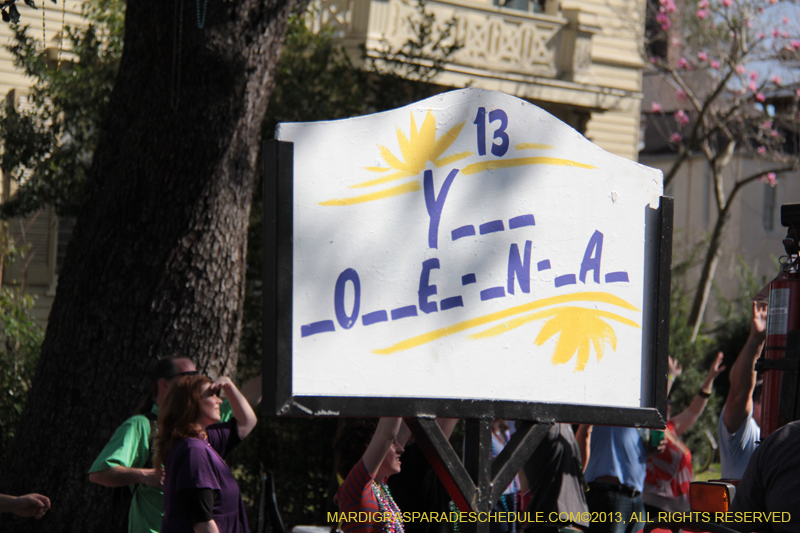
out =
column 497, row 115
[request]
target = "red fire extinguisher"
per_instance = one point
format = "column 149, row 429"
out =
column 783, row 317
column 781, row 358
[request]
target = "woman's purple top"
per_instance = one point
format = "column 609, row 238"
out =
column 195, row 464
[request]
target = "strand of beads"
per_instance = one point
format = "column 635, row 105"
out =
column 386, row 504
column 201, row 19
column 457, row 521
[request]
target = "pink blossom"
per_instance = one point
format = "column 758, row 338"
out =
column 655, row 107
column 760, row 97
column 727, row 3
column 795, row 44
column 752, row 86
column 775, row 33
column 760, row 10
column 774, row 133
column 773, row 2
column 715, row 64
column 753, row 75
column 702, row 4
column 761, row 150
column 675, row 138
column 776, row 79
column 682, row 63
column 769, row 178
column 748, row 23
column 702, row 56
column 681, row 117
column 702, row 13
column 785, row 34
column 785, row 20
column 761, row 35
column 680, row 94
column 740, row 69
column 654, row 60
column 663, row 21
column 668, row 6
column 767, row 124
column 797, row 93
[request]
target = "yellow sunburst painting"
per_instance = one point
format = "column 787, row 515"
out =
column 578, row 328
column 416, row 150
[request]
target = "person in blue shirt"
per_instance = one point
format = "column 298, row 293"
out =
column 615, row 462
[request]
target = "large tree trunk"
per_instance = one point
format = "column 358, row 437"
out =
column 156, row 264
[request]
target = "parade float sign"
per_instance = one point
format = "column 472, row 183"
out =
column 466, row 254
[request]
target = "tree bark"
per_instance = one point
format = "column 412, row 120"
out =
column 156, row 265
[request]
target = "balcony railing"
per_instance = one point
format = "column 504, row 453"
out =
column 497, row 41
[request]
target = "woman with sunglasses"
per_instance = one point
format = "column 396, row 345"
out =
column 200, row 492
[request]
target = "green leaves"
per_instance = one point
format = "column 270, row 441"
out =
column 49, row 138
column 20, row 339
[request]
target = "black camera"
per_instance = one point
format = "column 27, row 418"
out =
column 790, row 218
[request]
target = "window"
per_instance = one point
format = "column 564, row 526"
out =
column 768, row 216
column 530, row 6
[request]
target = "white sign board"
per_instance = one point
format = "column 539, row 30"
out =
column 470, row 246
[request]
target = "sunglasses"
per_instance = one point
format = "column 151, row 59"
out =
column 181, row 374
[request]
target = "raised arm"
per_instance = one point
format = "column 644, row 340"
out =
column 584, row 439
column 689, row 416
column 447, row 425
column 252, row 391
column 675, row 370
column 385, row 434
column 240, row 407
column 739, row 404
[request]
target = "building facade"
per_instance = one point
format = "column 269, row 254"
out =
column 42, row 236
column 579, row 60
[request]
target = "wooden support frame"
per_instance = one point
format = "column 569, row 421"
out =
column 478, row 483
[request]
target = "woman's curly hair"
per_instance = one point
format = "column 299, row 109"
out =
column 179, row 416
column 351, row 442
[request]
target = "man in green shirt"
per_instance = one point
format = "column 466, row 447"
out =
column 126, row 459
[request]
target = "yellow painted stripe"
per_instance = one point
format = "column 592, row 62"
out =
column 601, row 297
column 411, row 186
column 451, row 159
column 386, row 179
column 474, row 168
column 532, row 146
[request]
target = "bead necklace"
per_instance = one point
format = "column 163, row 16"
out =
column 457, row 521
column 201, row 19
column 386, row 504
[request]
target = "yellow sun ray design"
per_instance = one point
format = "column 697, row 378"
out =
column 577, row 326
column 587, row 297
column 416, row 150
column 421, row 146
